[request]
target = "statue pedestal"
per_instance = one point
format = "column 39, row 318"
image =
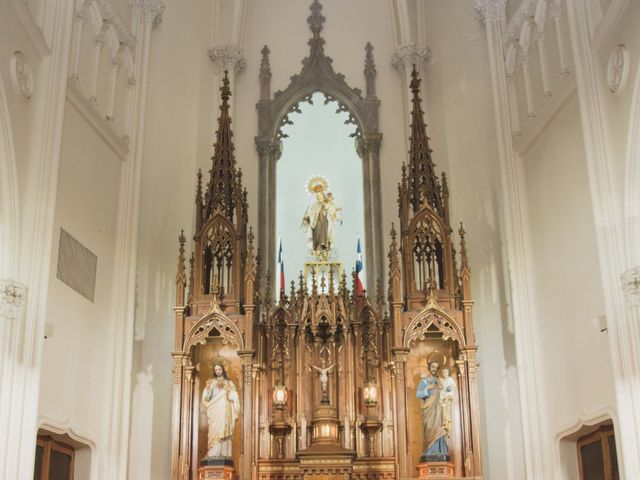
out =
column 435, row 470
column 218, row 469
column 325, row 458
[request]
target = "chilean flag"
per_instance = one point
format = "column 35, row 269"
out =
column 281, row 267
column 359, row 288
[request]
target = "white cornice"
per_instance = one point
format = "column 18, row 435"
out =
column 12, row 298
column 406, row 56
column 228, row 58
column 631, row 285
column 490, row 10
column 149, row 10
column 119, row 144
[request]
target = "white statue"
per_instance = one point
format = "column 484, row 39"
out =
column 323, row 372
column 447, row 389
column 221, row 401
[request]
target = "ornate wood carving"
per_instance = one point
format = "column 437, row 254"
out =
column 218, row 309
column 316, row 351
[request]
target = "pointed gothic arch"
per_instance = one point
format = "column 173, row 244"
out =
column 317, row 75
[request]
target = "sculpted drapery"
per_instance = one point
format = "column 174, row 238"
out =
column 433, row 414
column 220, row 399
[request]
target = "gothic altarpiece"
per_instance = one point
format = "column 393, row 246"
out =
column 324, row 382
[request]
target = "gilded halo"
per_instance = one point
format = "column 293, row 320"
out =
column 437, row 356
column 317, row 183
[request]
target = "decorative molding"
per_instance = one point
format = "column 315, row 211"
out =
column 535, row 126
column 21, row 75
column 490, row 10
column 623, row 322
column 406, row 56
column 228, row 58
column 618, row 68
column 607, row 26
column 31, row 28
column 517, row 236
column 150, row 11
column 631, row 285
column 109, row 14
column 12, row 298
column 103, row 127
column 571, row 431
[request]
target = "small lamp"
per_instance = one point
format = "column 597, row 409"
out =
column 370, row 394
column 279, row 397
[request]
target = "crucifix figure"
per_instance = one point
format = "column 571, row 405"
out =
column 323, row 373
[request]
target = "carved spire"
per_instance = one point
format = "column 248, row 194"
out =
column 224, row 188
column 370, row 70
column 394, row 269
column 180, row 276
column 463, row 248
column 192, row 265
column 422, row 180
column 199, row 201
column 265, row 75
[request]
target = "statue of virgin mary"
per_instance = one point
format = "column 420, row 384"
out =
column 319, row 218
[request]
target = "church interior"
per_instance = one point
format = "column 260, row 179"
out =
column 317, row 239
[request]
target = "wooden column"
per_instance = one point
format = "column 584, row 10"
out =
column 402, row 440
column 178, row 360
column 247, row 460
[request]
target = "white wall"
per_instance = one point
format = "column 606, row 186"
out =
column 462, row 131
column 179, row 137
column 568, row 291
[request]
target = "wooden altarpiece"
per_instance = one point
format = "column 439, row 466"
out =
column 214, row 322
column 326, row 378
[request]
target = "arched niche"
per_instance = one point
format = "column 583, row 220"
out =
column 317, row 75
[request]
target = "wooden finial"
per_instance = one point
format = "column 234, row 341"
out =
column 464, row 260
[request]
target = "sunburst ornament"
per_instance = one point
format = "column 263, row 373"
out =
column 317, row 183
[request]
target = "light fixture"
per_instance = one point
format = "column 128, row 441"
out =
column 371, row 394
column 279, row 397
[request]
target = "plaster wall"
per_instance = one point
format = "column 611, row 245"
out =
column 567, row 282
column 462, row 129
column 179, row 137
column 86, row 207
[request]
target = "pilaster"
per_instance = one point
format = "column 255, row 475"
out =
column 492, row 14
column 623, row 325
column 22, row 343
column 146, row 14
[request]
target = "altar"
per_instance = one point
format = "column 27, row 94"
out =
column 324, row 379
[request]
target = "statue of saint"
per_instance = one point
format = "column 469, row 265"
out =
column 221, row 401
column 429, row 393
column 319, row 218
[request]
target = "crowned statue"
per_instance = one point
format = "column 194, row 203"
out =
column 221, row 401
column 320, row 217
